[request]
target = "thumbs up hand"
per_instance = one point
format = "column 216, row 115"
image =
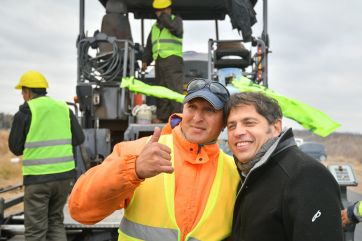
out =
column 155, row 158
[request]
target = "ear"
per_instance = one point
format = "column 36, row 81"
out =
column 277, row 127
column 26, row 94
column 30, row 94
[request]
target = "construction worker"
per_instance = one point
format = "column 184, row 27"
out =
column 174, row 185
column 164, row 46
column 44, row 131
column 352, row 214
column 285, row 194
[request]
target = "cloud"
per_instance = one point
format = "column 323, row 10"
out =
column 315, row 56
column 316, row 51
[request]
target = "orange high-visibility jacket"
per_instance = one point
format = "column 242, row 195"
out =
column 111, row 185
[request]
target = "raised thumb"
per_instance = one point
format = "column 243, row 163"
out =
column 156, row 135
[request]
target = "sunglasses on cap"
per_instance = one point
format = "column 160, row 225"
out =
column 215, row 87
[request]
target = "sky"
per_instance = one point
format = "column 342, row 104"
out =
column 316, row 50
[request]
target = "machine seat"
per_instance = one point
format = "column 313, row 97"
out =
column 231, row 54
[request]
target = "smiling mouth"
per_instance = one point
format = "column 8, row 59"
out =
column 243, row 143
column 198, row 128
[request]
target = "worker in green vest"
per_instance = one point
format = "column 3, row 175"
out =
column 352, row 214
column 44, row 131
column 164, row 47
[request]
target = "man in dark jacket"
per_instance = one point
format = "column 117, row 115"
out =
column 44, row 131
column 164, row 46
column 284, row 194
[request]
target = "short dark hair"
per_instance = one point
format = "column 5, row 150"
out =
column 266, row 106
column 37, row 91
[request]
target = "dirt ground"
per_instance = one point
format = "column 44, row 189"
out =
column 10, row 173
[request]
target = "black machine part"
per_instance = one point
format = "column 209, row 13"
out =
column 241, row 12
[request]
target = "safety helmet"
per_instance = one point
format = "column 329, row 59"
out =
column 161, row 4
column 32, row 79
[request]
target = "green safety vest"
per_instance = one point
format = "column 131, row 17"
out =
column 309, row 117
column 358, row 211
column 138, row 86
column 151, row 212
column 48, row 145
column 164, row 43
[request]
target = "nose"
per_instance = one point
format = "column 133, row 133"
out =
column 239, row 130
column 198, row 116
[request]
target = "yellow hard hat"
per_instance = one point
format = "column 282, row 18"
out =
column 160, row 4
column 32, row 79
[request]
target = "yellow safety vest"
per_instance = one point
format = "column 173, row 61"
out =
column 164, row 43
column 151, row 213
column 310, row 118
column 359, row 211
column 48, row 145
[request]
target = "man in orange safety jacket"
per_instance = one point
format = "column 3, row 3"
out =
column 174, row 185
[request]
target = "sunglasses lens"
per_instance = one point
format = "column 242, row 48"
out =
column 214, row 87
column 196, row 85
column 218, row 88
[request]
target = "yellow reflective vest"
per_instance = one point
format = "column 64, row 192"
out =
column 48, row 145
column 151, row 213
column 164, row 43
column 357, row 211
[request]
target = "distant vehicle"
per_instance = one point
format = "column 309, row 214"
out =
column 314, row 149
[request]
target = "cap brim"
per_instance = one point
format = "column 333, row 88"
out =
column 208, row 96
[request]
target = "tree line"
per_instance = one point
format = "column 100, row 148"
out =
column 5, row 120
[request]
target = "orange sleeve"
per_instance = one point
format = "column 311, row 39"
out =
column 108, row 186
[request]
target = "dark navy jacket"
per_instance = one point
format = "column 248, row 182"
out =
column 288, row 196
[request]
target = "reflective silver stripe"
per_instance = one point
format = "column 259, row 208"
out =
column 171, row 41
column 36, row 144
column 145, row 232
column 47, row 161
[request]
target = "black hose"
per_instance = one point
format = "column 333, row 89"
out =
column 101, row 68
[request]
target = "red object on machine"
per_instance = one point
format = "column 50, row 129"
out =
column 138, row 99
